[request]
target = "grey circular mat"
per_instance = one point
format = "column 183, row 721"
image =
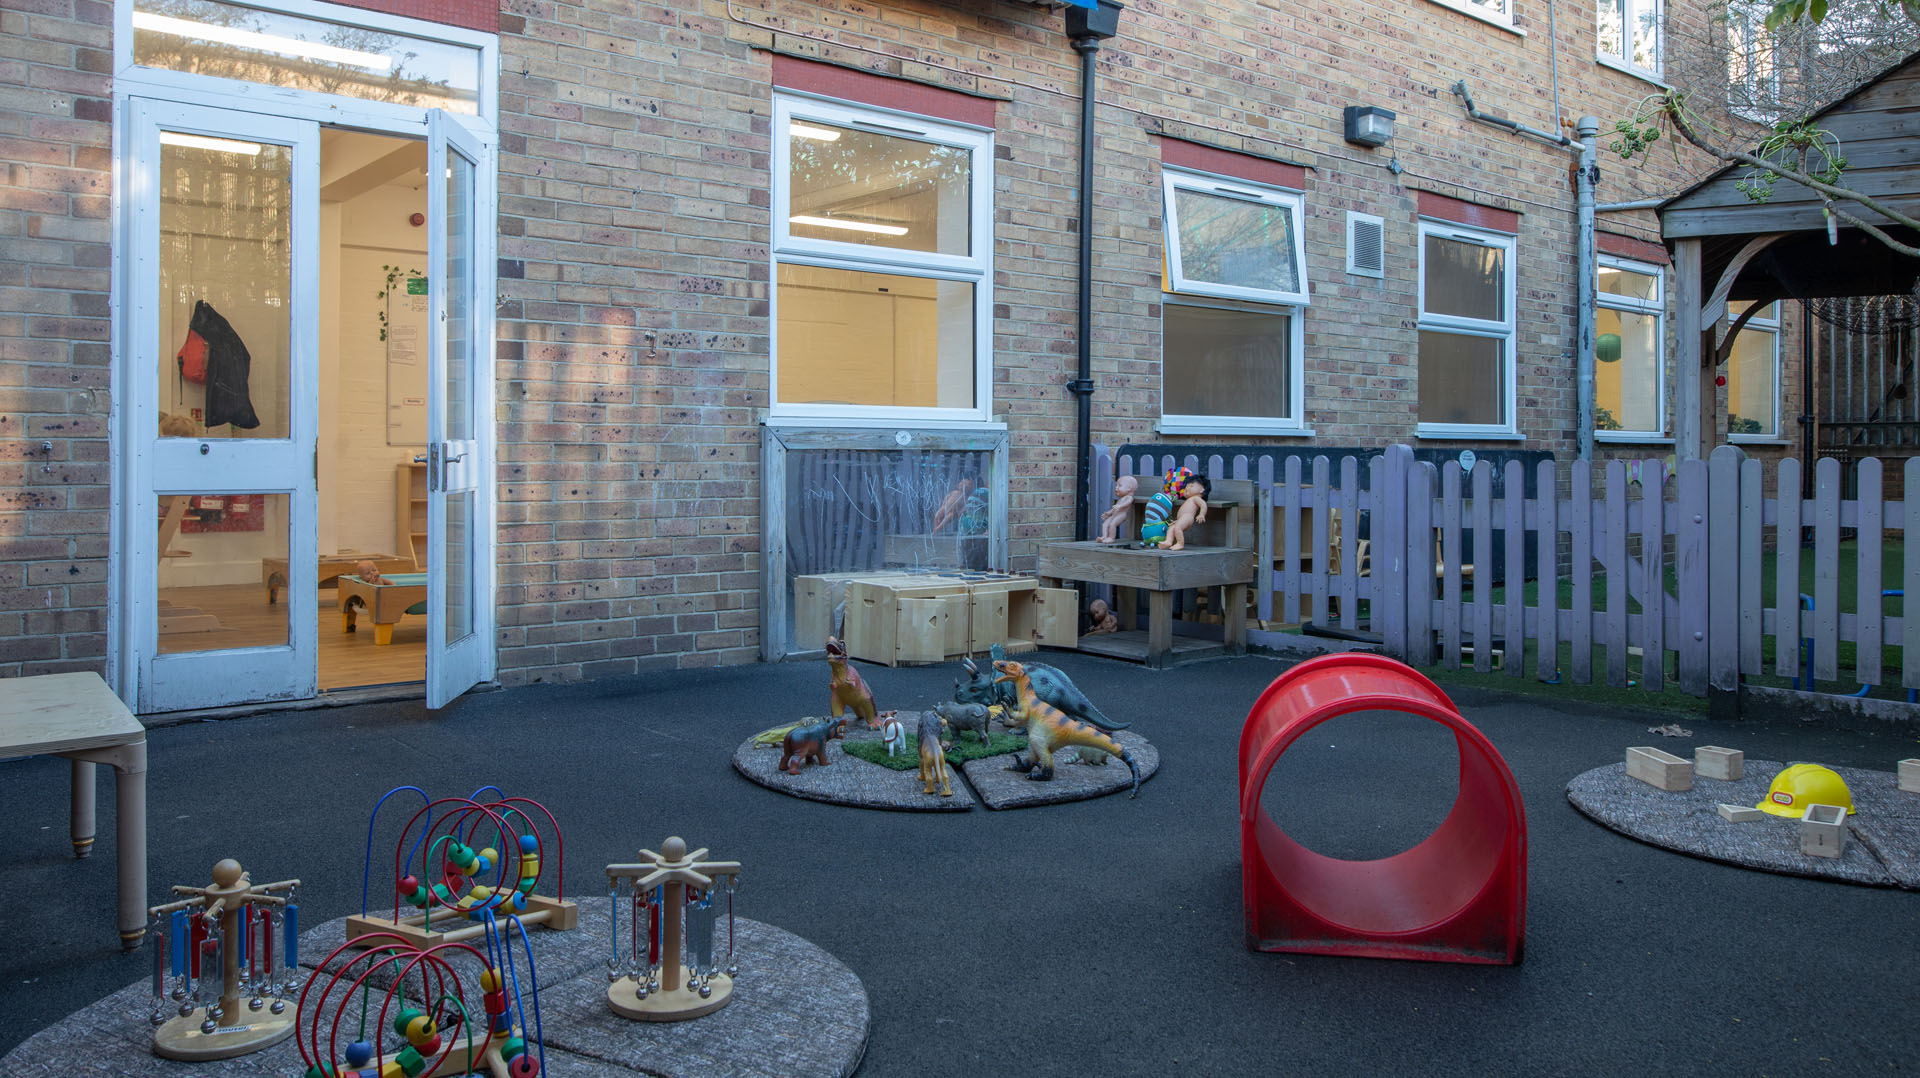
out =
column 1883, row 847
column 796, row 1010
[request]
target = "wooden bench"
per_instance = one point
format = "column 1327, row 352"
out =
column 1159, row 573
column 78, row 717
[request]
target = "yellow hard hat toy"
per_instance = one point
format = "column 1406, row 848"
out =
column 1796, row 787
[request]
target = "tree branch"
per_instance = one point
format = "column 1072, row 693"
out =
column 1673, row 109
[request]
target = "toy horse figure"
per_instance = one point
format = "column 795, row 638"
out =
column 1049, row 684
column 804, row 743
column 847, row 691
column 1049, row 730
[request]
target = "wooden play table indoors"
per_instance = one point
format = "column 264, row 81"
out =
column 403, row 593
column 273, row 571
column 77, row 716
column 1159, row 573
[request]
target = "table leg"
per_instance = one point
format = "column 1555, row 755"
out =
column 1125, row 608
column 1234, row 624
column 130, row 812
column 81, row 810
column 1159, row 629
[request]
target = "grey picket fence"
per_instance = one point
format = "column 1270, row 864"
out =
column 1664, row 568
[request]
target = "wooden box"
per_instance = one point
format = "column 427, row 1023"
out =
column 893, row 624
column 814, row 601
column 1714, row 762
column 1049, row 616
column 1823, row 831
column 1661, row 769
column 1910, row 776
column 1739, row 813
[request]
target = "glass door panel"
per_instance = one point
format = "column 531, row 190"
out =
column 222, row 285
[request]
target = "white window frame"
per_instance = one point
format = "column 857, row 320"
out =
column 975, row 267
column 1657, row 308
column 1191, row 293
column 1173, row 180
column 1755, row 45
column 1478, row 9
column 1623, row 60
column 1770, row 326
column 1473, row 327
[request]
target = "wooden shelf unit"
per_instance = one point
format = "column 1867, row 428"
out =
column 410, row 512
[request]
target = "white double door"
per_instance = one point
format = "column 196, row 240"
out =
column 220, row 425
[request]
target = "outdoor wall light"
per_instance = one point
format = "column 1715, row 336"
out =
column 1369, row 125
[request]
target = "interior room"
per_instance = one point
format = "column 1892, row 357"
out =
column 226, row 306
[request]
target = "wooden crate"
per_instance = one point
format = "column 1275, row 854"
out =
column 1661, row 769
column 1049, row 616
column 1823, row 831
column 1910, row 776
column 1739, row 813
column 896, row 618
column 1714, row 762
column 814, row 600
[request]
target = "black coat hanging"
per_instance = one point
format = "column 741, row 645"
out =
column 228, row 365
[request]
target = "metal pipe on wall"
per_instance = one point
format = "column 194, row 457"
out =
column 1586, row 179
column 1086, row 27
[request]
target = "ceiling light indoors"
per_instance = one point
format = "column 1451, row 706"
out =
column 205, row 142
column 851, row 226
column 253, row 39
column 824, row 134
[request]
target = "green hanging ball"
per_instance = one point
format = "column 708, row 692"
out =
column 1606, row 348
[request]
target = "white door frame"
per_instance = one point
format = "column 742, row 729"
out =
column 132, row 536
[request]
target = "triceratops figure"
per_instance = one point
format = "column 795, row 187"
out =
column 1049, row 684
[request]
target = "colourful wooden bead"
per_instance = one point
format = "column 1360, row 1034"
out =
column 429, row 1047
column 418, row 1030
column 525, row 1066
column 358, row 1054
column 513, row 1046
column 489, row 980
column 406, row 1018
column 496, row 1002
column 529, row 844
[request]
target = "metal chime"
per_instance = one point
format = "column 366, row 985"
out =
column 215, row 947
column 668, row 969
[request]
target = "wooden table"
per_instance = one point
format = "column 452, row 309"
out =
column 273, row 571
column 77, row 716
column 1159, row 573
column 403, row 593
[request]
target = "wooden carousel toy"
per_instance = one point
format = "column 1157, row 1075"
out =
column 670, row 896
column 220, row 939
column 428, row 1023
column 460, row 861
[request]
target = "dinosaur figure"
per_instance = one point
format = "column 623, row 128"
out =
column 1049, row 729
column 933, row 760
column 1049, row 684
column 804, row 743
column 847, row 691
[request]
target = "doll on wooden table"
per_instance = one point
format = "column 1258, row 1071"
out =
column 369, row 572
column 1160, row 508
column 1194, row 489
column 1102, row 618
column 1115, row 518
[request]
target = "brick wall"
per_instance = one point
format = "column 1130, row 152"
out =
column 55, row 91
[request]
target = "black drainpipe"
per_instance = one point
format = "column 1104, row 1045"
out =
column 1086, row 27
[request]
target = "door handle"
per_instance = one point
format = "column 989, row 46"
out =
column 451, row 458
column 420, row 458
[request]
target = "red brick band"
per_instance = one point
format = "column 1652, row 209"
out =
column 1183, row 154
column 1629, row 247
column 1442, row 208
column 481, row 15
column 846, row 84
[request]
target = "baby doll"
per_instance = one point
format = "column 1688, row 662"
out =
column 1192, row 511
column 1112, row 519
column 1103, row 619
column 1153, row 531
column 367, row 571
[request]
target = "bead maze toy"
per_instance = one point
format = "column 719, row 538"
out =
column 662, row 892
column 223, row 933
column 425, row 1004
column 476, row 881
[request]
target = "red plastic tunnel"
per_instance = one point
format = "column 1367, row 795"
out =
column 1458, row 896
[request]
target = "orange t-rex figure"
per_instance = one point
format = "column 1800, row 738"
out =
column 847, row 691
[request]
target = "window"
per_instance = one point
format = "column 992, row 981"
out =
column 1628, row 349
column 1231, row 324
column 1466, row 331
column 1498, row 12
column 1753, row 375
column 1753, row 82
column 1630, row 35
column 882, row 252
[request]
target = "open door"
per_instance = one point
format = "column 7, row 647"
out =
column 460, row 260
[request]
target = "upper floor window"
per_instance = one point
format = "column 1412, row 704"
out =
column 1498, row 12
column 1753, row 82
column 1466, row 365
column 1753, row 375
column 1628, row 350
column 1236, row 286
column 882, row 241
column 1630, row 35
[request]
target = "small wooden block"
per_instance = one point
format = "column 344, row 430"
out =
column 1910, row 776
column 1714, row 762
column 1823, row 831
column 1660, row 769
column 1739, row 813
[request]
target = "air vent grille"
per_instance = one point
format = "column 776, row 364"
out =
column 1366, row 245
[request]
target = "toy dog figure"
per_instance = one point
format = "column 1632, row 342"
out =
column 846, row 691
column 960, row 717
column 804, row 743
column 1048, row 729
column 933, row 761
column 893, row 735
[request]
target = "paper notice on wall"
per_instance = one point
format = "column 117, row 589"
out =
column 407, row 370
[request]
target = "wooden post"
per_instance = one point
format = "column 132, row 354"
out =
column 1687, row 363
column 1723, row 568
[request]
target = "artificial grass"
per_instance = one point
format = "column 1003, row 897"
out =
column 965, row 747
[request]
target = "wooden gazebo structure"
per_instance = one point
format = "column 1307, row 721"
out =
column 1728, row 247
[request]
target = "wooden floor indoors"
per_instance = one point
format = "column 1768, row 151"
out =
column 347, row 660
